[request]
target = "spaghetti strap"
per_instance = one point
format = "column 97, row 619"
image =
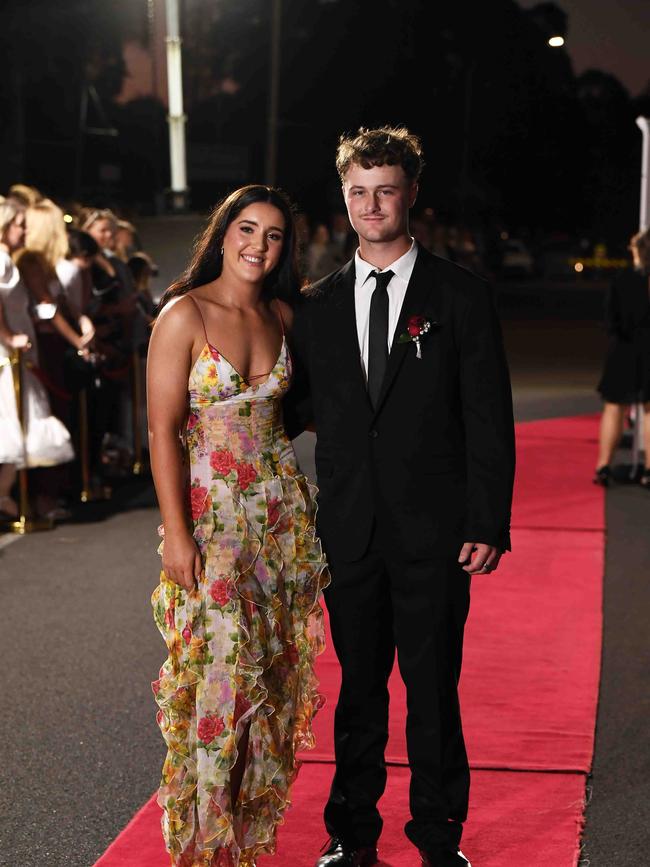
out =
column 280, row 317
column 198, row 307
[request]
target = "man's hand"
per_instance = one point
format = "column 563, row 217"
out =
column 485, row 560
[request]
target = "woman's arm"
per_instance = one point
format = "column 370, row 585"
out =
column 35, row 279
column 8, row 337
column 168, row 367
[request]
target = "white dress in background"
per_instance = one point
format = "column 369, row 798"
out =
column 48, row 441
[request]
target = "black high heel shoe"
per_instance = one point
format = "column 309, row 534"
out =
column 602, row 476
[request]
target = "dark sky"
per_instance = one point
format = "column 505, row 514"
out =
column 612, row 35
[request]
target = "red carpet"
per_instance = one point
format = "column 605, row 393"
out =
column 529, row 686
column 512, row 815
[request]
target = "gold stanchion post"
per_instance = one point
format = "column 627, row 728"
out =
column 139, row 466
column 88, row 493
column 85, row 494
column 26, row 523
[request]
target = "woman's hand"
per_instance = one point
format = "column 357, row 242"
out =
column 181, row 560
column 19, row 341
column 86, row 326
column 83, row 340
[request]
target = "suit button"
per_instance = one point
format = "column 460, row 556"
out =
column 373, row 434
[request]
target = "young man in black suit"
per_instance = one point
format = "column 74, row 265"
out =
column 401, row 369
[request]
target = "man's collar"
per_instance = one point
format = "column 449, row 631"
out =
column 401, row 267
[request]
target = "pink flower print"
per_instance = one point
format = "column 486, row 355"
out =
column 198, row 497
column 192, row 421
column 210, row 726
column 214, row 352
column 169, row 618
column 219, row 592
column 222, row 461
column 156, row 687
column 273, row 507
column 187, row 634
column 224, row 859
column 245, row 475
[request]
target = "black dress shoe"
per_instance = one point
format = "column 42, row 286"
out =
column 339, row 854
column 444, row 859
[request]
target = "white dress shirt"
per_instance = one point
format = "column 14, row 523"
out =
column 364, row 286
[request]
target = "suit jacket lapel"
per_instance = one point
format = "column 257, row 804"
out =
column 415, row 301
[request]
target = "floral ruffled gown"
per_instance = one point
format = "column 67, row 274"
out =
column 242, row 645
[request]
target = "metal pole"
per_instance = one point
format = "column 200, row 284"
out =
column 274, row 91
column 136, row 396
column 176, row 118
column 644, row 220
column 644, row 212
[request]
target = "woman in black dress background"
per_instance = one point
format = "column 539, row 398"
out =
column 626, row 376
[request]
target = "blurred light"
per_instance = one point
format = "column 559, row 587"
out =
column 556, row 41
column 67, row 218
column 504, row 236
column 428, row 212
column 579, row 267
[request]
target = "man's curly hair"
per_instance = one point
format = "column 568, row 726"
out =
column 384, row 146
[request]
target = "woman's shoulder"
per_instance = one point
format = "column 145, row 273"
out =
column 179, row 312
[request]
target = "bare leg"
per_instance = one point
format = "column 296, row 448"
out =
column 7, row 478
column 611, row 430
column 646, row 434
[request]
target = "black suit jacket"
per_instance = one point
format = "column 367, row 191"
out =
column 433, row 463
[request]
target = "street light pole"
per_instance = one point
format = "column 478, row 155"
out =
column 176, row 118
column 271, row 168
column 644, row 212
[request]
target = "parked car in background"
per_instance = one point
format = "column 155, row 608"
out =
column 556, row 259
column 516, row 259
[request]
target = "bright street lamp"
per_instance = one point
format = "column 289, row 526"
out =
column 556, row 41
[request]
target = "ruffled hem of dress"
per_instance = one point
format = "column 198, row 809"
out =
column 176, row 712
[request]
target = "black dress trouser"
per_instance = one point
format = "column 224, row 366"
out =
column 376, row 604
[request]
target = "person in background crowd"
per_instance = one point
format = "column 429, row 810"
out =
column 47, row 442
column 344, row 240
column 440, row 242
column 25, row 195
column 120, row 316
column 142, row 269
column 421, row 231
column 322, row 256
column 626, row 374
column 72, row 273
column 46, row 244
column 126, row 240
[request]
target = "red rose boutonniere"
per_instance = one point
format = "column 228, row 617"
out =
column 416, row 328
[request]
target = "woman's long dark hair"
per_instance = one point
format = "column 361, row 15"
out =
column 207, row 260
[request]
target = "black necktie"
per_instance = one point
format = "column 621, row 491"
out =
column 378, row 335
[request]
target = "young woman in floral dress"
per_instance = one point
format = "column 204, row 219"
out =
column 238, row 601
